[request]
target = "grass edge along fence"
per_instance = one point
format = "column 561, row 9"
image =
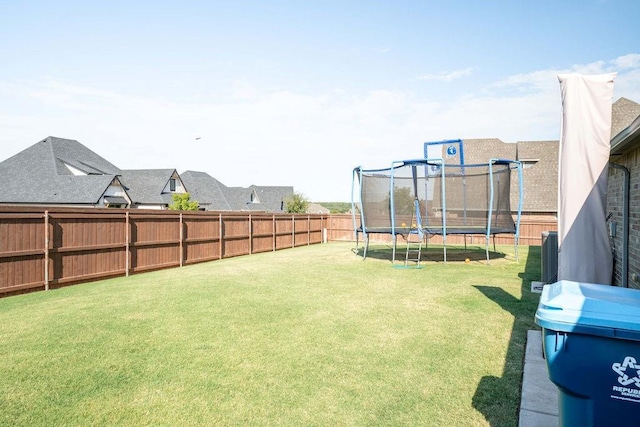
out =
column 43, row 248
column 340, row 228
column 48, row 247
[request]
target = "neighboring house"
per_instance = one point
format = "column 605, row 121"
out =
column 212, row 195
column 261, row 198
column 539, row 171
column 625, row 153
column 315, row 208
column 61, row 172
column 152, row 188
column 207, row 191
column 540, row 178
column 478, row 151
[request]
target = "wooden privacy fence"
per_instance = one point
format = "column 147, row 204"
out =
column 42, row 248
column 341, row 228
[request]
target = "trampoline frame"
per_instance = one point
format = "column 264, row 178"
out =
column 444, row 229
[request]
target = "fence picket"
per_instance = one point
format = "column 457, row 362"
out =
column 90, row 244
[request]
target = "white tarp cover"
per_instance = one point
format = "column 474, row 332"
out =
column 584, row 251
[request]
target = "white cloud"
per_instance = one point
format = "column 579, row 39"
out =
column 283, row 137
column 628, row 61
column 447, row 77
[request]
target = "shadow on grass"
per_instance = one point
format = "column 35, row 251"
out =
column 498, row 398
column 431, row 253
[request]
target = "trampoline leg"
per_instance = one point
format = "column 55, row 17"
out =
column 366, row 246
column 426, row 245
column 393, row 256
column 444, row 248
column 486, row 249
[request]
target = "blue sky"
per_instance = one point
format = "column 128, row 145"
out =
column 298, row 93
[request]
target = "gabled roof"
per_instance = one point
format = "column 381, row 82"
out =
column 540, row 175
column 269, row 198
column 206, row 190
column 625, row 129
column 39, row 174
column 214, row 196
column 146, row 186
column 623, row 113
column 317, row 208
column 484, row 149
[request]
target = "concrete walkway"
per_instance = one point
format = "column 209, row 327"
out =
column 539, row 398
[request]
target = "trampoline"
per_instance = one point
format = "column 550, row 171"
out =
column 427, row 197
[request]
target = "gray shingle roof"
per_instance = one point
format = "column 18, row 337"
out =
column 146, row 186
column 540, row 178
column 540, row 175
column 484, row 149
column 213, row 195
column 269, row 198
column 206, row 190
column 38, row 174
column 623, row 113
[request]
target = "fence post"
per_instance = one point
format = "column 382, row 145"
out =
column 181, row 246
column 250, row 236
column 46, row 250
column 308, row 229
column 220, row 233
column 293, row 230
column 213, row 242
column 127, row 239
column 273, row 231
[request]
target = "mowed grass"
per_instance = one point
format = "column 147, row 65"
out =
column 312, row 336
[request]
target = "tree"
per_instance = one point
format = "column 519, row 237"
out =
column 402, row 201
column 183, row 202
column 336, row 207
column 296, row 203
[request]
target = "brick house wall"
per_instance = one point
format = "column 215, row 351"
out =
column 625, row 151
column 614, row 206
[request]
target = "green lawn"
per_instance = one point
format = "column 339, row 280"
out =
column 313, row 336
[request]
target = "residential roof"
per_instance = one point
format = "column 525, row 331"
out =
column 268, row 198
column 540, row 176
column 214, row 196
column 482, row 150
column 625, row 129
column 623, row 113
column 56, row 171
column 317, row 208
column 206, row 190
column 147, row 186
column 476, row 151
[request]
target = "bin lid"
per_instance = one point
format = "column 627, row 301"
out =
column 591, row 309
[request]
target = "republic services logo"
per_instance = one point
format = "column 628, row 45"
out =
column 628, row 372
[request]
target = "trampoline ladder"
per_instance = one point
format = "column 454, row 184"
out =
column 413, row 254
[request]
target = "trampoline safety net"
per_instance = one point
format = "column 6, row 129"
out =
column 452, row 199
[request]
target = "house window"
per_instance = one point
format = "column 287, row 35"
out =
column 172, row 184
column 115, row 202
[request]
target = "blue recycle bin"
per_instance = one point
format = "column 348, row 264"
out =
column 591, row 342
